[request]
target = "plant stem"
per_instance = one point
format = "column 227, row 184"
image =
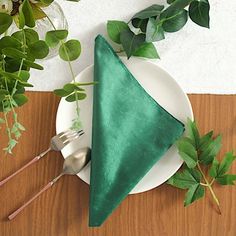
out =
column 210, row 188
column 22, row 61
column 6, row 122
column 69, row 63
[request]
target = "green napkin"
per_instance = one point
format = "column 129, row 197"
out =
column 131, row 132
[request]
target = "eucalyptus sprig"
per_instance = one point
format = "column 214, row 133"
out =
column 200, row 152
column 136, row 36
column 18, row 53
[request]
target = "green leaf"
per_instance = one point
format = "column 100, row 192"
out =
column 54, row 37
column 9, row 42
column 187, row 152
column 9, row 75
column 148, row 12
column 205, row 140
column 13, row 53
column 39, row 49
column 70, row 87
column 209, row 152
column 146, row 50
column 20, row 99
column 226, row 163
column 73, row 97
column 61, row 92
column 5, row 22
column 185, row 179
column 170, row 1
column 199, row 13
column 27, row 11
column 213, row 172
column 47, row 2
column 114, row 28
column 70, row 50
column 175, row 21
column 38, row 12
column 195, row 192
column 23, row 75
column 131, row 42
column 192, row 132
column 31, row 36
column 154, row 31
column 32, row 65
column 3, row 92
column 226, row 179
column 140, row 24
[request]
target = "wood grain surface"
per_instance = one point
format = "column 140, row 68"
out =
column 63, row 210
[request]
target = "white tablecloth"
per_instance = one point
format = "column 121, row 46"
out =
column 201, row 60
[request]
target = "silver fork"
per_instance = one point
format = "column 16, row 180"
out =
column 58, row 142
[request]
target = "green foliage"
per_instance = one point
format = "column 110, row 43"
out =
column 54, row 37
column 199, row 12
column 70, row 50
column 197, row 151
column 150, row 25
column 5, row 22
column 114, row 28
column 18, row 53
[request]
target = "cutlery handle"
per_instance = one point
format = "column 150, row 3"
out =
column 24, row 167
column 15, row 213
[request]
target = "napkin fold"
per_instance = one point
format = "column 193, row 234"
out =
column 131, row 132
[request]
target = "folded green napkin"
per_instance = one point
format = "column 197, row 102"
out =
column 131, row 132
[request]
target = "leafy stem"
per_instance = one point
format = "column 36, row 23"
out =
column 69, row 64
column 198, row 151
column 208, row 185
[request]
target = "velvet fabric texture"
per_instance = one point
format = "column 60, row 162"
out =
column 131, row 132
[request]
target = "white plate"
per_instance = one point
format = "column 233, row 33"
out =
column 162, row 87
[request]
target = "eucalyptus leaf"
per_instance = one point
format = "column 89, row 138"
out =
column 54, row 37
column 30, row 36
column 20, row 99
column 74, row 96
column 114, row 28
column 9, row 42
column 61, row 92
column 26, row 11
column 32, row 65
column 5, row 22
column 38, row 12
column 39, row 49
column 13, row 53
column 70, row 50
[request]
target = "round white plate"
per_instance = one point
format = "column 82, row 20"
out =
column 162, row 87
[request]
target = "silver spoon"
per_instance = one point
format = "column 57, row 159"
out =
column 72, row 166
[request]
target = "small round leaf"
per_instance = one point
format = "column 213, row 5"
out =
column 70, row 50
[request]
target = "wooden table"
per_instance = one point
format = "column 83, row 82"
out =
column 63, row 210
